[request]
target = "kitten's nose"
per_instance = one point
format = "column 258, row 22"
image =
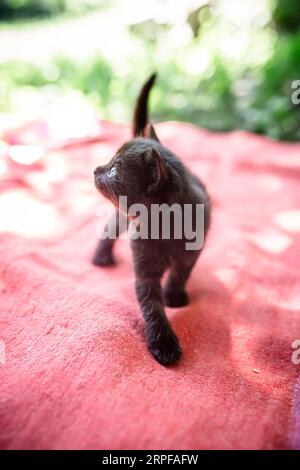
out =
column 98, row 175
column 98, row 170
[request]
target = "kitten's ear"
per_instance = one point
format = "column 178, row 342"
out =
column 150, row 133
column 140, row 133
column 161, row 172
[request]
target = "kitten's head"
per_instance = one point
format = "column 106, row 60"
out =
column 137, row 171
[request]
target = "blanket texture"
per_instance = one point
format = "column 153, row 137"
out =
column 74, row 369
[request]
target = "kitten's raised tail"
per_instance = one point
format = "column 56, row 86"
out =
column 140, row 116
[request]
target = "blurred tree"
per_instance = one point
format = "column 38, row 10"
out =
column 286, row 15
column 20, row 9
column 195, row 18
column 13, row 9
column 276, row 115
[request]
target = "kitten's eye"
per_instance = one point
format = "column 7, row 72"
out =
column 112, row 172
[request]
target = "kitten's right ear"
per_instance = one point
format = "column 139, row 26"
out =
column 161, row 170
column 150, row 133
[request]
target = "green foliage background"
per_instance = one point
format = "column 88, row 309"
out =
column 254, row 94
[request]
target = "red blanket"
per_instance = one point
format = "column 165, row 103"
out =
column 75, row 372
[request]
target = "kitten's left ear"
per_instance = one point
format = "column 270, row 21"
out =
column 150, row 133
column 161, row 170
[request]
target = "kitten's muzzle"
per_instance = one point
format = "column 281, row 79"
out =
column 99, row 175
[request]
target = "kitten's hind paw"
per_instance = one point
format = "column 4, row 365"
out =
column 103, row 259
column 176, row 299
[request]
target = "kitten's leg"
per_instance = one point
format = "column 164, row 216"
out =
column 149, row 266
column 174, row 288
column 161, row 340
column 116, row 225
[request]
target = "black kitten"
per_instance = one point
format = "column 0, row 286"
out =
column 147, row 173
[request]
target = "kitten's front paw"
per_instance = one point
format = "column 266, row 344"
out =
column 103, row 259
column 165, row 348
column 177, row 299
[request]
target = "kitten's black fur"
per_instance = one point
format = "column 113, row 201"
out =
column 147, row 172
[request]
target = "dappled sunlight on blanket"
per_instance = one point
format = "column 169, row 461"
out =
column 25, row 216
column 288, row 220
column 271, row 241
